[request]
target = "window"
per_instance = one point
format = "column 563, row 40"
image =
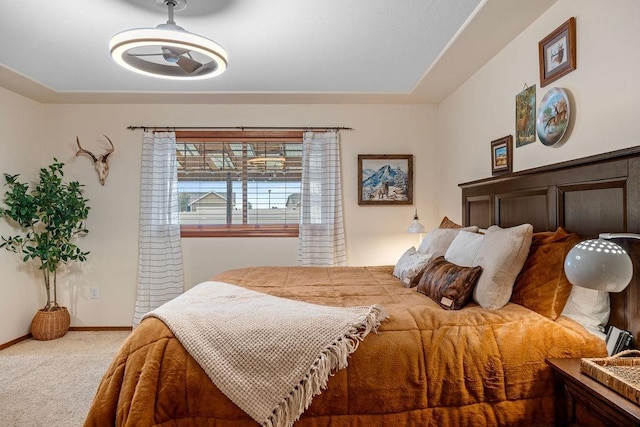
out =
column 240, row 183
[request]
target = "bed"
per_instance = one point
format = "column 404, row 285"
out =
column 425, row 365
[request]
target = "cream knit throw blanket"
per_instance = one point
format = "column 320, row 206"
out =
column 269, row 355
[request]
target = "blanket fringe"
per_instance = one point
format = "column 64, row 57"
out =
column 333, row 357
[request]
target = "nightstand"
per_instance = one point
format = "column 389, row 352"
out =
column 582, row 401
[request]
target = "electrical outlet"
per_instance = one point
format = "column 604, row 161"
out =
column 94, row 293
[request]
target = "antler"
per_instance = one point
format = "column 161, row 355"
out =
column 110, row 150
column 101, row 162
column 82, row 150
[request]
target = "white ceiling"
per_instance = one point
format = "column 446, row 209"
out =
column 279, row 50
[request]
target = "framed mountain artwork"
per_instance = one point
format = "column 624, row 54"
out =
column 385, row 179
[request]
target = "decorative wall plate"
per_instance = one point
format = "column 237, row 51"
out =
column 552, row 119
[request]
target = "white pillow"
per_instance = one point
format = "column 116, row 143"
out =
column 437, row 241
column 410, row 266
column 501, row 255
column 464, row 248
column 401, row 265
column 588, row 307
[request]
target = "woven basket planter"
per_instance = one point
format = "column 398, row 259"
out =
column 49, row 325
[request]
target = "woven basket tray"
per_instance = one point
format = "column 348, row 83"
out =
column 621, row 374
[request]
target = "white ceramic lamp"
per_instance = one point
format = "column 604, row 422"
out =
column 600, row 264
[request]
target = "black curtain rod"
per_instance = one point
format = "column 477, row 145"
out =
column 308, row 128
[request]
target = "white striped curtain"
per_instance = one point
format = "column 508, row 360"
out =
column 160, row 271
column 321, row 238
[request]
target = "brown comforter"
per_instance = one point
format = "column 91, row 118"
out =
column 426, row 366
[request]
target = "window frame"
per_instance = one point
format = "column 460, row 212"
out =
column 239, row 230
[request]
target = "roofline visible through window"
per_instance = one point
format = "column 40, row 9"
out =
column 239, row 230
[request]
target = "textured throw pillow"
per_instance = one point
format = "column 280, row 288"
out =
column 448, row 284
column 542, row 286
column 437, row 241
column 501, row 255
column 447, row 223
column 403, row 261
column 409, row 267
column 464, row 248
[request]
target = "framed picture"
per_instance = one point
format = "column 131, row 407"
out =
column 385, row 179
column 501, row 157
column 557, row 53
column 526, row 116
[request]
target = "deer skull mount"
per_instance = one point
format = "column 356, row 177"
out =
column 101, row 162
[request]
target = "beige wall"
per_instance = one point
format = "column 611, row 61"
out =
column 20, row 143
column 604, row 89
column 375, row 235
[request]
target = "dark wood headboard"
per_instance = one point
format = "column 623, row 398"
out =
column 587, row 196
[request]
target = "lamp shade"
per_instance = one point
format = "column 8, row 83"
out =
column 415, row 226
column 598, row 264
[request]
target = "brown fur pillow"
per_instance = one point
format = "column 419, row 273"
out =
column 448, row 284
column 542, row 286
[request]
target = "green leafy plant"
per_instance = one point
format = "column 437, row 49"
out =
column 50, row 216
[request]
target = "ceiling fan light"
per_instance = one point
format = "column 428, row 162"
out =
column 124, row 42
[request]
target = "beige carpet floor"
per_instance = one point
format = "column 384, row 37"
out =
column 52, row 383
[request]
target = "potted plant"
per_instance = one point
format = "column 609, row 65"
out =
column 50, row 216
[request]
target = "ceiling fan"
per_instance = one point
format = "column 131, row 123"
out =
column 168, row 50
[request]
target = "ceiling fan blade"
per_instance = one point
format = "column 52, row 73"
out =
column 144, row 54
column 178, row 51
column 188, row 64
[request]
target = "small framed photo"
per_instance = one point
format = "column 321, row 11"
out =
column 557, row 53
column 501, row 155
column 385, row 179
